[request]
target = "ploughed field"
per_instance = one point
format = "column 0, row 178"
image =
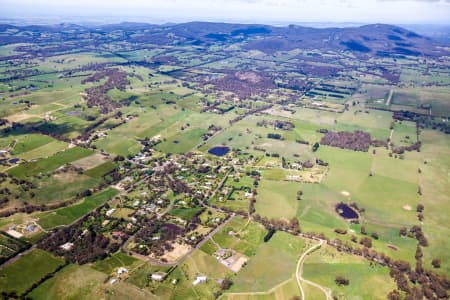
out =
column 176, row 162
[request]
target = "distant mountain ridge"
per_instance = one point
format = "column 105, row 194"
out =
column 367, row 40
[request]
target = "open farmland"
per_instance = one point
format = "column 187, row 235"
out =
column 223, row 161
column 14, row 279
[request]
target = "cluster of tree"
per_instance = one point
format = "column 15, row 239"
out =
column 419, row 210
column 379, row 143
column 414, row 147
column 269, row 234
column 212, row 129
column 226, row 284
column 303, row 142
column 340, row 231
column 244, row 84
column 88, row 244
column 307, row 164
column 358, row 140
column 341, row 280
column 423, row 120
column 292, row 226
column 283, row 125
column 96, row 96
column 321, row 162
column 315, row 147
column 166, row 233
column 425, row 283
column 415, row 232
column 417, row 283
column 295, row 84
column 275, row 136
column 249, row 112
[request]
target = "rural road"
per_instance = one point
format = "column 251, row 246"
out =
column 299, row 271
column 389, row 98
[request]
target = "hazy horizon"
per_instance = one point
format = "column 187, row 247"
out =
column 239, row 11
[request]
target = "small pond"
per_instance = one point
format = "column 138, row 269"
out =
column 346, row 211
column 219, row 150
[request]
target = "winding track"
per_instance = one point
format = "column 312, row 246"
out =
column 299, row 271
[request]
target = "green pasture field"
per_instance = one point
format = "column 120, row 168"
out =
column 240, row 202
column 404, row 134
column 30, row 142
column 9, row 246
column 183, row 142
column 184, row 213
column 90, row 161
column 434, row 181
column 277, row 199
column 323, row 265
column 72, row 282
column 22, row 274
column 117, row 144
column 247, row 237
column 46, row 150
column 101, row 170
column 49, row 164
column 61, row 186
column 274, row 263
column 139, row 276
column 286, row 290
column 383, row 195
column 115, row 261
column 71, row 213
column 123, row 213
column 437, row 97
column 199, row 263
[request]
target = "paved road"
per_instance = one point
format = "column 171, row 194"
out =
column 299, row 271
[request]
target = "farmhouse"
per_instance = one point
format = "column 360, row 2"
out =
column 110, row 212
column 199, row 279
column 122, row 270
column 158, row 276
column 67, row 246
column 14, row 233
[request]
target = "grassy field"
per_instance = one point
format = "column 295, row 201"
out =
column 49, row 164
column 247, row 238
column 72, row 282
column 277, row 199
column 179, row 98
column 197, row 264
column 274, row 263
column 113, row 262
column 71, row 213
column 286, row 290
column 184, row 213
column 62, row 186
column 44, row 151
column 100, row 170
column 325, row 264
column 384, row 195
column 436, row 196
column 17, row 277
column 30, row 142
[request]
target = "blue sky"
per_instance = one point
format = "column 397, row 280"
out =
column 263, row 11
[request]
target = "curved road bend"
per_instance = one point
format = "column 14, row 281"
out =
column 299, row 272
